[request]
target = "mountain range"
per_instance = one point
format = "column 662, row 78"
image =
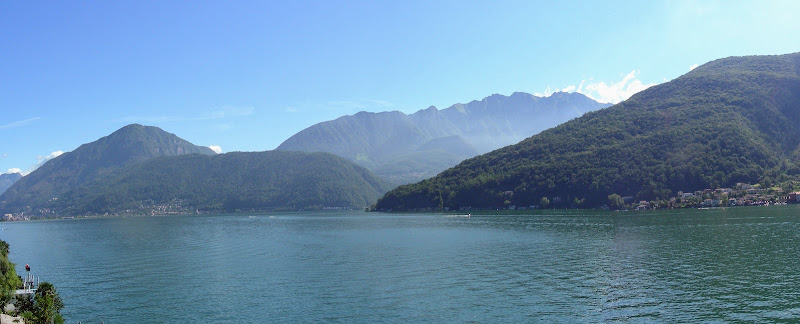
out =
column 731, row 120
column 236, row 181
column 143, row 169
column 8, row 179
column 406, row 148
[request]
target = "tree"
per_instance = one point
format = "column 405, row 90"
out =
column 615, row 201
column 544, row 202
column 46, row 304
column 24, row 304
column 577, row 203
column 9, row 281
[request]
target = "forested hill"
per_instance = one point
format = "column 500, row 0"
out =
column 127, row 146
column 237, row 181
column 731, row 120
column 408, row 148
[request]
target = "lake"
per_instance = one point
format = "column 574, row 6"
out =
column 733, row 264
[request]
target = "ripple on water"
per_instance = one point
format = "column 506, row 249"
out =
column 683, row 266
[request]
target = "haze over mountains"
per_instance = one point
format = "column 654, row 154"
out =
column 143, row 169
column 404, row 148
column 236, row 181
column 728, row 121
column 8, row 179
column 731, row 120
column 134, row 168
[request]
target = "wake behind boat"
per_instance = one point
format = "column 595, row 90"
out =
column 467, row 215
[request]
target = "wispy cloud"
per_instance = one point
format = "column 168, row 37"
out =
column 694, row 66
column 20, row 123
column 604, row 92
column 215, row 148
column 44, row 158
column 222, row 112
column 40, row 160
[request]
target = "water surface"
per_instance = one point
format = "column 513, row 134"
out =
column 734, row 264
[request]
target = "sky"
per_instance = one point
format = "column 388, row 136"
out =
column 246, row 75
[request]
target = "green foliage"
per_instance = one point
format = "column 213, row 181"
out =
column 615, row 201
column 9, row 280
column 47, row 304
column 127, row 146
column 728, row 121
column 544, row 202
column 237, row 181
column 24, row 304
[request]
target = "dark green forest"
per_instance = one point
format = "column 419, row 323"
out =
column 731, row 120
column 237, row 181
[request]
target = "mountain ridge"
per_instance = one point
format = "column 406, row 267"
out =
column 378, row 140
column 230, row 182
column 730, row 120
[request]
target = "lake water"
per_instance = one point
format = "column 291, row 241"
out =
column 734, row 264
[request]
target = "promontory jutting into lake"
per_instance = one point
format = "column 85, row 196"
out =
column 400, row 162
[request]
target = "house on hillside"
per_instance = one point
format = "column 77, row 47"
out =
column 706, row 203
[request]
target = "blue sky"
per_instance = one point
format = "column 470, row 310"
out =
column 246, row 75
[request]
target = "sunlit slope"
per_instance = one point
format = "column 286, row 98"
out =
column 731, row 120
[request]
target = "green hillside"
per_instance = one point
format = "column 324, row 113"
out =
column 228, row 182
column 127, row 146
column 731, row 120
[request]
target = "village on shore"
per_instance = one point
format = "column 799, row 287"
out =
column 742, row 195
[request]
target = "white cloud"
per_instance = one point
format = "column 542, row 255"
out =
column 547, row 92
column 604, row 92
column 291, row 109
column 40, row 160
column 52, row 155
column 14, row 170
column 694, row 66
column 216, row 148
column 19, row 123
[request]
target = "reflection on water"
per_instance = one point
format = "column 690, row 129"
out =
column 736, row 264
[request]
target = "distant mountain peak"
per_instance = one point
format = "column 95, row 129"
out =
column 8, row 179
column 387, row 142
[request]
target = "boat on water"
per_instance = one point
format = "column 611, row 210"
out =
column 467, row 215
